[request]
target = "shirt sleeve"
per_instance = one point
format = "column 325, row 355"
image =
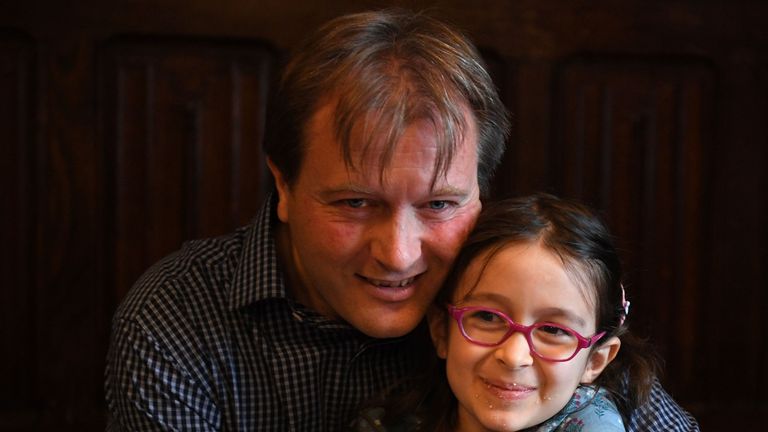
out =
column 661, row 413
column 147, row 390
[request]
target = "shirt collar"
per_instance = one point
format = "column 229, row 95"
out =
column 258, row 275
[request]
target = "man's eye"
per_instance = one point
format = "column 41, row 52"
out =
column 355, row 202
column 438, row 205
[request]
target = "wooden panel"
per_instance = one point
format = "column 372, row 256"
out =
column 631, row 139
column 185, row 127
column 504, row 75
column 17, row 276
column 72, row 321
column 736, row 345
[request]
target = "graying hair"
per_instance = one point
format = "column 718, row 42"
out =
column 385, row 70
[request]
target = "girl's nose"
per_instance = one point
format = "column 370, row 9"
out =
column 514, row 352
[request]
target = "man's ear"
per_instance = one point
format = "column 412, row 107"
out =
column 436, row 318
column 599, row 358
column 283, row 191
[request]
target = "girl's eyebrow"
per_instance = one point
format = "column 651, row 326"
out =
column 566, row 314
column 487, row 296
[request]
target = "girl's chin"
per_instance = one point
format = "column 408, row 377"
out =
column 504, row 423
column 495, row 414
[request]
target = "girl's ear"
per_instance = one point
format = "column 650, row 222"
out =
column 436, row 317
column 599, row 358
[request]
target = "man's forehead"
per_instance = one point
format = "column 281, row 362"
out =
column 375, row 140
column 375, row 124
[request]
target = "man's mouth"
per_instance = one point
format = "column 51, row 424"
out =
column 381, row 283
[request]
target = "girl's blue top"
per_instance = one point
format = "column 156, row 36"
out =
column 588, row 410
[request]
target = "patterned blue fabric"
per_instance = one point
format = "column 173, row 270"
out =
column 209, row 340
column 588, row 410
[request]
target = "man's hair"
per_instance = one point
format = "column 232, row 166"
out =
column 385, row 70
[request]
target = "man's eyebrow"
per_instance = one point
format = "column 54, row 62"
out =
column 450, row 190
column 347, row 188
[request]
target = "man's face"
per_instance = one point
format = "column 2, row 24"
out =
column 368, row 251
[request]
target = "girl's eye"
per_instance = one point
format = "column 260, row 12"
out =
column 485, row 316
column 553, row 330
column 481, row 322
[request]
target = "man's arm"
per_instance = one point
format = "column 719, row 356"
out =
column 147, row 390
column 661, row 413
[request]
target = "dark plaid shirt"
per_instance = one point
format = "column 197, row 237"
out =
column 209, row 339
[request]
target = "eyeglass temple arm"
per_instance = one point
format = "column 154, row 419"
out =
column 588, row 342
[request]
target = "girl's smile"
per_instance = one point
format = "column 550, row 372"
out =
column 509, row 391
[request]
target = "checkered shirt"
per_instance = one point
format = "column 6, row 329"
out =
column 661, row 413
column 209, row 340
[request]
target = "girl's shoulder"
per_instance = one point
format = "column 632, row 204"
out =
column 590, row 410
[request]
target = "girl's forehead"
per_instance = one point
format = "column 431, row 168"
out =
column 485, row 265
column 499, row 269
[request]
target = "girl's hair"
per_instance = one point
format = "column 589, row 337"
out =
column 581, row 240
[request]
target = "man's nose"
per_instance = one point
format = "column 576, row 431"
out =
column 514, row 352
column 397, row 241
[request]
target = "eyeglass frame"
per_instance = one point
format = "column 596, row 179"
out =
column 583, row 342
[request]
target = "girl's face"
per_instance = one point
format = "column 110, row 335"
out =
column 506, row 387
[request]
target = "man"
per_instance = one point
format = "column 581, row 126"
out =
column 385, row 131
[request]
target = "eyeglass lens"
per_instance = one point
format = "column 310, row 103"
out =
column 548, row 341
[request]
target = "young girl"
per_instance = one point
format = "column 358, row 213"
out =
column 529, row 331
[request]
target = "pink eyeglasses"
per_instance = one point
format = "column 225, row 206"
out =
column 548, row 341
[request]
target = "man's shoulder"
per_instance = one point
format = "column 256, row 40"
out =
column 200, row 271
column 661, row 413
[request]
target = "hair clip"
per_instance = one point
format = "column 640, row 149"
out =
column 624, row 306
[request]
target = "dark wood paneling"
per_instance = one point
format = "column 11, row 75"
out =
column 17, row 277
column 186, row 121
column 70, row 235
column 631, row 140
